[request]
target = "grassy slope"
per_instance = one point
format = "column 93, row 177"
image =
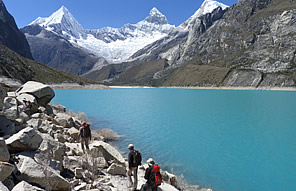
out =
column 15, row 66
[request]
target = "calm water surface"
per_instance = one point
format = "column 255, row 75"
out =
column 229, row 140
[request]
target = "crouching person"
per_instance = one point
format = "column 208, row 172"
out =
column 153, row 176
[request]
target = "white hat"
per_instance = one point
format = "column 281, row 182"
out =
column 130, row 146
column 150, row 161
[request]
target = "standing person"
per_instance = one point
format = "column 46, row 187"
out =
column 152, row 175
column 85, row 135
column 134, row 160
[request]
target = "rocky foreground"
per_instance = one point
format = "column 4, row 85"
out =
column 39, row 148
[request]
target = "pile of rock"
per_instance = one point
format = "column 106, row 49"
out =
column 39, row 149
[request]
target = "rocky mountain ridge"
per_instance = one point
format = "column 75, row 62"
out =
column 248, row 44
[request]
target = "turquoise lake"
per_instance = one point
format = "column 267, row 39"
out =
column 228, row 140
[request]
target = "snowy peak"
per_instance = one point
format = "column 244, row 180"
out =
column 61, row 22
column 207, row 6
column 156, row 17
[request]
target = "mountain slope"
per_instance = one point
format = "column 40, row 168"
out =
column 254, row 40
column 10, row 36
column 55, row 51
column 14, row 66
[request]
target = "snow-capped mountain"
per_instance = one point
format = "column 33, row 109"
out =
column 207, row 7
column 174, row 46
column 114, row 44
column 62, row 23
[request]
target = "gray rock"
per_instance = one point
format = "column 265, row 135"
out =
column 6, row 169
column 73, row 149
column 55, row 149
column 7, row 128
column 43, row 175
column 64, row 119
column 25, row 140
column 116, row 169
column 108, row 151
column 73, row 132
column 72, row 162
column 41, row 92
column 34, row 123
column 10, row 108
column 247, row 78
column 3, row 187
column 4, row 154
column 24, row 186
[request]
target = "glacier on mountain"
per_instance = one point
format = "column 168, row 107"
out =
column 114, row 44
column 118, row 44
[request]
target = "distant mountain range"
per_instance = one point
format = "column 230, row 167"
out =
column 251, row 43
column 110, row 45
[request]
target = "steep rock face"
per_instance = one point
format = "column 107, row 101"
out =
column 56, row 51
column 263, row 42
column 253, row 40
column 10, row 36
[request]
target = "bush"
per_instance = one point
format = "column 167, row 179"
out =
column 108, row 134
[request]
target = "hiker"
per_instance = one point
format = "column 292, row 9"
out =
column 134, row 160
column 84, row 134
column 152, row 175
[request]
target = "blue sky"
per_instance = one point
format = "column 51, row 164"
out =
column 94, row 14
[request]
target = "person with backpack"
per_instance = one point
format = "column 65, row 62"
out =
column 134, row 160
column 153, row 176
column 84, row 134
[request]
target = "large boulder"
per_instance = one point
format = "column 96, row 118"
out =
column 73, row 132
column 3, row 187
column 42, row 175
column 55, row 149
column 41, row 92
column 7, row 128
column 108, row 151
column 116, row 169
column 10, row 108
column 6, row 169
column 4, row 154
column 64, row 119
column 25, row 140
column 24, row 186
column 28, row 101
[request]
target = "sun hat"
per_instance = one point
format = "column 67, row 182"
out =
column 130, row 146
column 150, row 161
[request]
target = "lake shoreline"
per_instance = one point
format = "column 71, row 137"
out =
column 100, row 86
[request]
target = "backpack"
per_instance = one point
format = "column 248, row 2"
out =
column 157, row 176
column 84, row 131
column 137, row 158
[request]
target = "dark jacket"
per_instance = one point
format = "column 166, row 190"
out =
column 85, row 131
column 131, row 159
column 149, row 175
